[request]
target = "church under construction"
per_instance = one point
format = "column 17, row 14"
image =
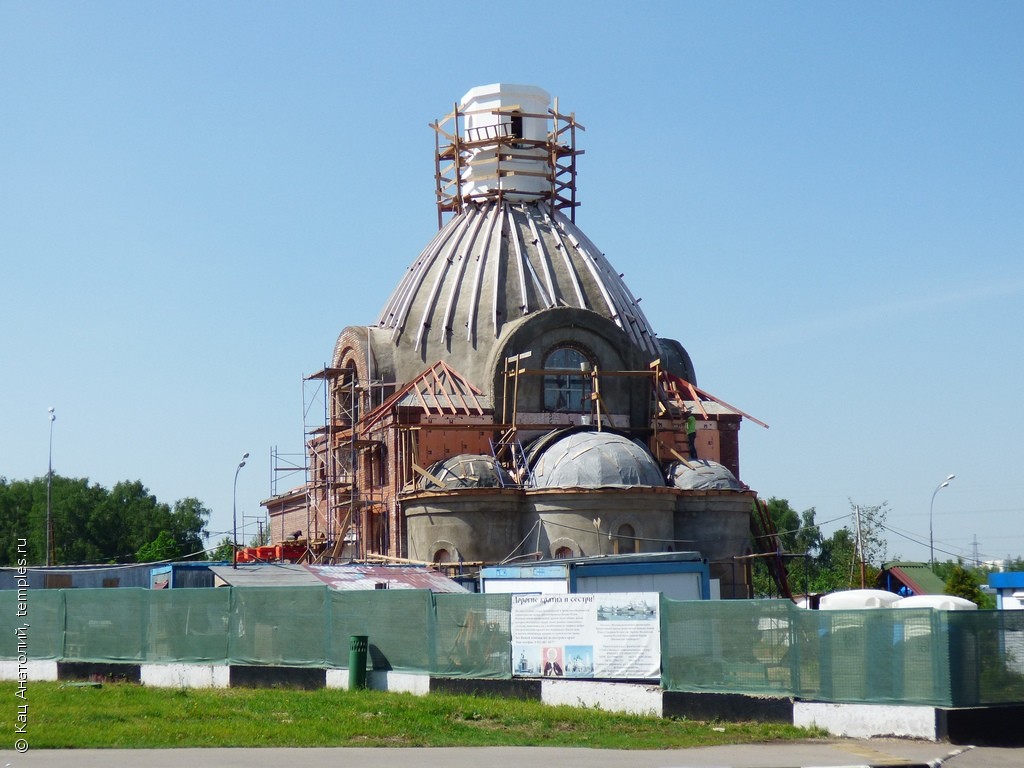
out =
column 512, row 402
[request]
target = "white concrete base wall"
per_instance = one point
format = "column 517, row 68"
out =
column 185, row 675
column 400, row 682
column 337, row 678
column 37, row 670
column 865, row 721
column 611, row 697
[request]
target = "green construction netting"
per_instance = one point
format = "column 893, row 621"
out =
column 986, row 657
column 463, row 635
column 45, row 620
column 776, row 648
column 283, row 626
column 919, row 656
column 398, row 624
column 188, row 625
column 473, row 636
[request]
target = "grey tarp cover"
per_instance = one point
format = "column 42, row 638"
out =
column 702, row 475
column 596, row 460
column 467, row 471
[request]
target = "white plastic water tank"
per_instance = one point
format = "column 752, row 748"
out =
column 528, row 171
column 855, row 599
column 939, row 602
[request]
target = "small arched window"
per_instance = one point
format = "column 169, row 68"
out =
column 567, row 389
column 625, row 540
column 563, row 553
column 442, row 556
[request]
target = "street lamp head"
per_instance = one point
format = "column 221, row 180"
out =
column 49, row 410
column 945, row 484
column 950, row 478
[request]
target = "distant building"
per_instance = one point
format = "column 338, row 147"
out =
column 1009, row 589
column 512, row 400
column 908, row 579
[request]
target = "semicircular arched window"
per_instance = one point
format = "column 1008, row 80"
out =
column 626, row 540
column 567, row 388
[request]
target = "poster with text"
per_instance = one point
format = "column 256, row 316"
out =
column 609, row 635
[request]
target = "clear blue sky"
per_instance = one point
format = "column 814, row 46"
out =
column 824, row 202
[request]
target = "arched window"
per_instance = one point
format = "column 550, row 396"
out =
column 625, row 540
column 563, row 553
column 568, row 390
column 442, row 556
column 346, row 395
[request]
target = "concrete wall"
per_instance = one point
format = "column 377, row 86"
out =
column 718, row 522
column 598, row 337
column 568, row 515
column 487, row 524
column 476, row 524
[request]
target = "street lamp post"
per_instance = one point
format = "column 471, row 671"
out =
column 234, row 513
column 49, row 485
column 931, row 508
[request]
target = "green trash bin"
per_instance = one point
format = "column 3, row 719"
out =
column 357, row 645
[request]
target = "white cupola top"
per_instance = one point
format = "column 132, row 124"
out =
column 506, row 130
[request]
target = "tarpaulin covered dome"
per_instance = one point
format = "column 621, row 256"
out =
column 466, row 471
column 595, row 460
column 702, row 475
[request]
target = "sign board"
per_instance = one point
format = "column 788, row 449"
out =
column 607, row 635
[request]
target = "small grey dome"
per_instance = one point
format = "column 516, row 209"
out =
column 595, row 460
column 704, row 476
column 466, row 471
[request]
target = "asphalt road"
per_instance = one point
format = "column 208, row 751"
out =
column 834, row 752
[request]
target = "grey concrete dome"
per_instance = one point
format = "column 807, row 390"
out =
column 595, row 460
column 496, row 263
column 702, row 475
column 466, row 471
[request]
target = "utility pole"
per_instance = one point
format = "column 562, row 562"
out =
column 49, row 484
column 860, row 548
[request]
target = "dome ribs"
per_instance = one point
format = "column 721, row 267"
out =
column 456, row 284
column 595, row 273
column 623, row 304
column 514, row 246
column 493, row 221
column 406, row 292
column 581, row 302
column 441, row 272
column 545, row 261
column 543, row 297
column 497, row 262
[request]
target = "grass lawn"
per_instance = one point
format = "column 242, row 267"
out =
column 131, row 716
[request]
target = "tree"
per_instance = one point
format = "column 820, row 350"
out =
column 829, row 563
column 963, row 583
column 188, row 524
column 797, row 534
column 261, row 539
column 223, row 552
column 92, row 524
column 162, row 548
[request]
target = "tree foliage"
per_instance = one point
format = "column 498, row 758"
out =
column 827, row 563
column 223, row 552
column 162, row 548
column 92, row 524
column 964, row 583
